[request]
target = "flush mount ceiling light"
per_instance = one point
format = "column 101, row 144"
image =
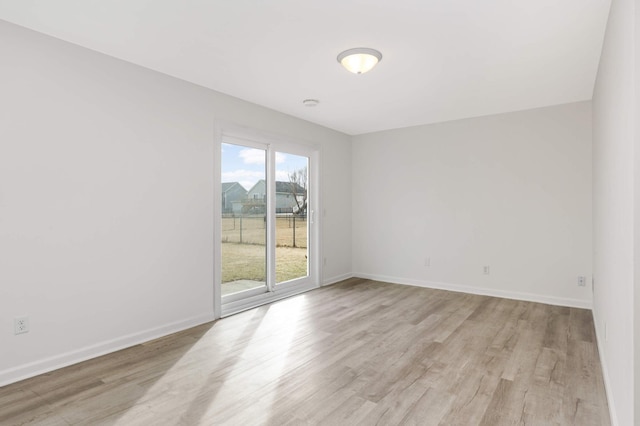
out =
column 360, row 59
column 310, row 102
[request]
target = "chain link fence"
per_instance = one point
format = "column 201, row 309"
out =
column 291, row 230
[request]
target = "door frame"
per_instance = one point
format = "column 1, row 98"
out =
column 270, row 142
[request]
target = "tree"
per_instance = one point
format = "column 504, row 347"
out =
column 298, row 186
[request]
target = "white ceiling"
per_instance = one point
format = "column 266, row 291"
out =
column 442, row 60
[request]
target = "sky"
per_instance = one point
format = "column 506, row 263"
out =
column 247, row 165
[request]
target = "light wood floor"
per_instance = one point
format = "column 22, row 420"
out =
column 358, row 352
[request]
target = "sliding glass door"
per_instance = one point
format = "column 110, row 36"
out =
column 244, row 224
column 267, row 230
column 291, row 217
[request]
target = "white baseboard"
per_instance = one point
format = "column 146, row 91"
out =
column 528, row 297
column 336, row 279
column 605, row 375
column 35, row 368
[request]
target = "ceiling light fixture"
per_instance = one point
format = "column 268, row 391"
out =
column 360, row 59
column 310, row 102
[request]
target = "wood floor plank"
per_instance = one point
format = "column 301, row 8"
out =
column 359, row 352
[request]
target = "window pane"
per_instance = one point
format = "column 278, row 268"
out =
column 291, row 216
column 244, row 233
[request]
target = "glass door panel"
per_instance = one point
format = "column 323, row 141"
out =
column 291, row 211
column 244, row 221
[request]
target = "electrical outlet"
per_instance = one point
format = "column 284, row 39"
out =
column 582, row 281
column 324, row 261
column 427, row 261
column 486, row 270
column 21, row 325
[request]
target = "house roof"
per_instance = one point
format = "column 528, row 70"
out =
column 289, row 187
column 226, row 186
column 284, row 187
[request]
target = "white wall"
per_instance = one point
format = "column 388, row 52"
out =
column 636, row 213
column 613, row 212
column 512, row 191
column 106, row 200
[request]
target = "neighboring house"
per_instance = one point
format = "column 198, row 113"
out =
column 232, row 194
column 286, row 195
